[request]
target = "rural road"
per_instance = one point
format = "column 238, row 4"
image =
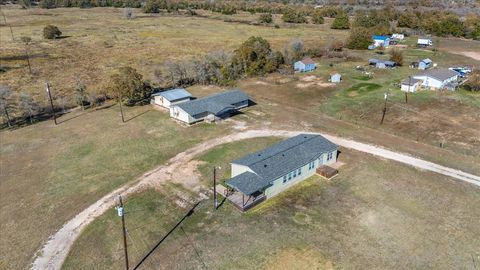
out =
column 57, row 247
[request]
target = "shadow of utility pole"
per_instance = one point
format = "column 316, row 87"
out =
column 190, row 212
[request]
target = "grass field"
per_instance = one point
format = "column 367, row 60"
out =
column 375, row 214
column 49, row 173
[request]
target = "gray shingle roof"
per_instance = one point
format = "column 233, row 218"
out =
column 215, row 103
column 307, row 61
column 441, row 74
column 407, row 81
column 248, row 183
column 174, row 94
column 280, row 159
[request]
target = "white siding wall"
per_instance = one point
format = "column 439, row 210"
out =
column 179, row 114
column 239, row 169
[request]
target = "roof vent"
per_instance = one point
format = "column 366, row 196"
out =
column 305, row 137
column 259, row 154
column 283, row 155
column 264, row 165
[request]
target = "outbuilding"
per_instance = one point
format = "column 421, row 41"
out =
column 425, row 64
column 381, row 41
column 335, row 77
column 213, row 107
column 305, row 65
column 438, row 78
column 170, row 97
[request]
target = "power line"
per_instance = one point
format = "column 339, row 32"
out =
column 194, row 248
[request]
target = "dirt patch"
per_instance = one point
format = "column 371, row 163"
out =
column 473, row 55
column 298, row 259
column 312, row 80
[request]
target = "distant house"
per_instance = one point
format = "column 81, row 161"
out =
column 381, row 63
column 304, row 65
column 398, row 36
column 335, row 77
column 425, row 64
column 266, row 173
column 438, row 78
column 379, row 41
column 411, row 85
column 171, row 97
column 210, row 108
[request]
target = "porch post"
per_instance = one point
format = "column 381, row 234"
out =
column 243, row 200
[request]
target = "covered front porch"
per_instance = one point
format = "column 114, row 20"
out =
column 244, row 191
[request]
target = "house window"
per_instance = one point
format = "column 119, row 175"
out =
column 299, row 172
column 295, row 173
column 311, row 165
column 289, row 176
column 284, row 179
column 330, row 156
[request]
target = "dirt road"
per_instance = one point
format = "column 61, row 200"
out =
column 56, row 249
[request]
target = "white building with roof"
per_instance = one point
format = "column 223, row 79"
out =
column 219, row 105
column 438, row 78
column 170, row 97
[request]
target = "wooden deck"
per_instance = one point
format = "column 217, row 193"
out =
column 327, row 171
column 242, row 202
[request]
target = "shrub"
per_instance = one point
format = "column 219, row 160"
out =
column 473, row 82
column 266, row 18
column 292, row 16
column 317, row 17
column 341, row 22
column 359, row 38
column 396, row 56
column 51, row 32
column 151, row 6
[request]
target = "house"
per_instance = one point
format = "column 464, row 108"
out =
column 262, row 175
column 438, row 78
column 411, row 85
column 425, row 64
column 381, row 41
column 398, row 36
column 335, row 77
column 170, row 97
column 210, row 108
column 381, row 63
column 462, row 71
column 307, row 64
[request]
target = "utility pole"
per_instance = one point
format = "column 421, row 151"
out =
column 215, row 188
column 51, row 104
column 121, row 213
column 384, row 108
column 121, row 109
column 409, row 84
column 5, row 19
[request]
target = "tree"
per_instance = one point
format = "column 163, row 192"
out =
column 25, row 3
column 317, row 17
column 81, row 94
column 266, row 18
column 151, row 6
column 396, row 56
column 473, row 82
column 292, row 16
column 294, row 51
column 6, row 103
column 360, row 38
column 127, row 84
column 28, row 106
column 251, row 56
column 26, row 41
column 51, row 32
column 341, row 21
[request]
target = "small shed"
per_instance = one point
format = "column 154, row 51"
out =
column 335, row 77
column 170, row 97
column 381, row 41
column 425, row 64
column 305, row 65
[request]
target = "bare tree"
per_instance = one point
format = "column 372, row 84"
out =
column 26, row 41
column 81, row 94
column 6, row 103
column 294, row 51
column 28, row 105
